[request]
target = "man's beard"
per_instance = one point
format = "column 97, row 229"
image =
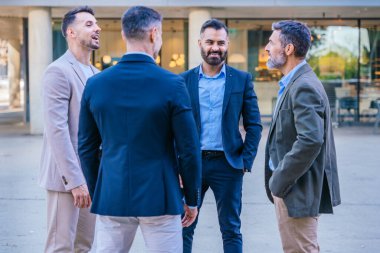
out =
column 277, row 62
column 90, row 45
column 94, row 46
column 213, row 61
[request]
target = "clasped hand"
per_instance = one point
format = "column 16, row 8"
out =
column 81, row 196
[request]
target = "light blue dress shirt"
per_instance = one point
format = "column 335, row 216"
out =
column 283, row 83
column 211, row 94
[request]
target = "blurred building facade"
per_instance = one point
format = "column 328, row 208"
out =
column 345, row 50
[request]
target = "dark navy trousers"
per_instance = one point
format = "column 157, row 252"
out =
column 226, row 184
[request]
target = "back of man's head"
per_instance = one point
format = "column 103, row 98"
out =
column 69, row 17
column 138, row 20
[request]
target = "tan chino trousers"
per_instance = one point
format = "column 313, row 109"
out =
column 298, row 235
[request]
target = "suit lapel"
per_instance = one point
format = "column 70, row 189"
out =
column 301, row 71
column 194, row 94
column 275, row 113
column 74, row 64
column 94, row 70
column 227, row 88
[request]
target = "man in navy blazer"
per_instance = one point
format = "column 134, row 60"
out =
column 220, row 95
column 137, row 111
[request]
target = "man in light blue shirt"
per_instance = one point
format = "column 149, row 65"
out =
column 220, row 95
column 211, row 91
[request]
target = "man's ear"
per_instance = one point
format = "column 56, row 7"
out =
column 153, row 34
column 123, row 36
column 70, row 32
column 289, row 49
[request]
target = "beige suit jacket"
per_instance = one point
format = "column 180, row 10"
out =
column 63, row 85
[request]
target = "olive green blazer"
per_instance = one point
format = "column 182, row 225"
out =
column 301, row 146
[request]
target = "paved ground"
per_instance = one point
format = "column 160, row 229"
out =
column 355, row 227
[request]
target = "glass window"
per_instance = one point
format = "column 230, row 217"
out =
column 369, row 68
column 11, row 65
column 173, row 55
column 112, row 46
column 334, row 55
column 59, row 42
column 248, row 39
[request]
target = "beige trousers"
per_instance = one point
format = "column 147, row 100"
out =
column 69, row 228
column 162, row 234
column 298, row 235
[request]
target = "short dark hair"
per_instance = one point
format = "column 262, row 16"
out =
column 215, row 24
column 296, row 33
column 137, row 21
column 69, row 17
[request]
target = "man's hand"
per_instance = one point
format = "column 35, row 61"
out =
column 190, row 216
column 81, row 196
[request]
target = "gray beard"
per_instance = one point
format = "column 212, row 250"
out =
column 276, row 63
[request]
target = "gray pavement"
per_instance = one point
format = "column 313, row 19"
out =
column 354, row 228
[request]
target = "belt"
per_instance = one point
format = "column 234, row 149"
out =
column 212, row 153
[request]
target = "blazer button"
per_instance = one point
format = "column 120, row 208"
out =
column 64, row 180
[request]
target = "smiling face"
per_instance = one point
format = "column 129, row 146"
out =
column 277, row 57
column 85, row 31
column 214, row 46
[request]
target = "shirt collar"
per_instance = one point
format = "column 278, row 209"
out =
column 139, row 52
column 222, row 73
column 284, row 81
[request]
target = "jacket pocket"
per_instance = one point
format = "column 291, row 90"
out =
column 285, row 128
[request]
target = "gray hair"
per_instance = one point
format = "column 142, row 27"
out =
column 296, row 33
column 138, row 20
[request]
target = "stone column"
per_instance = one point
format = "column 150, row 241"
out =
column 196, row 18
column 14, row 73
column 40, row 56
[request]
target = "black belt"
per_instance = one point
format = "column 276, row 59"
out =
column 212, row 153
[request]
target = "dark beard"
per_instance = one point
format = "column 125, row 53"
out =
column 93, row 46
column 213, row 61
column 90, row 45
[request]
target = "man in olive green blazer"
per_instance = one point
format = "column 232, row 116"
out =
column 300, row 163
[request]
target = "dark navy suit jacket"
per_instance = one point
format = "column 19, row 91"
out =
column 239, row 100
column 137, row 110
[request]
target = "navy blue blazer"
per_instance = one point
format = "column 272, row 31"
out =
column 136, row 111
column 239, row 100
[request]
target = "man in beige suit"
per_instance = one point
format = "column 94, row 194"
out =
column 69, row 223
